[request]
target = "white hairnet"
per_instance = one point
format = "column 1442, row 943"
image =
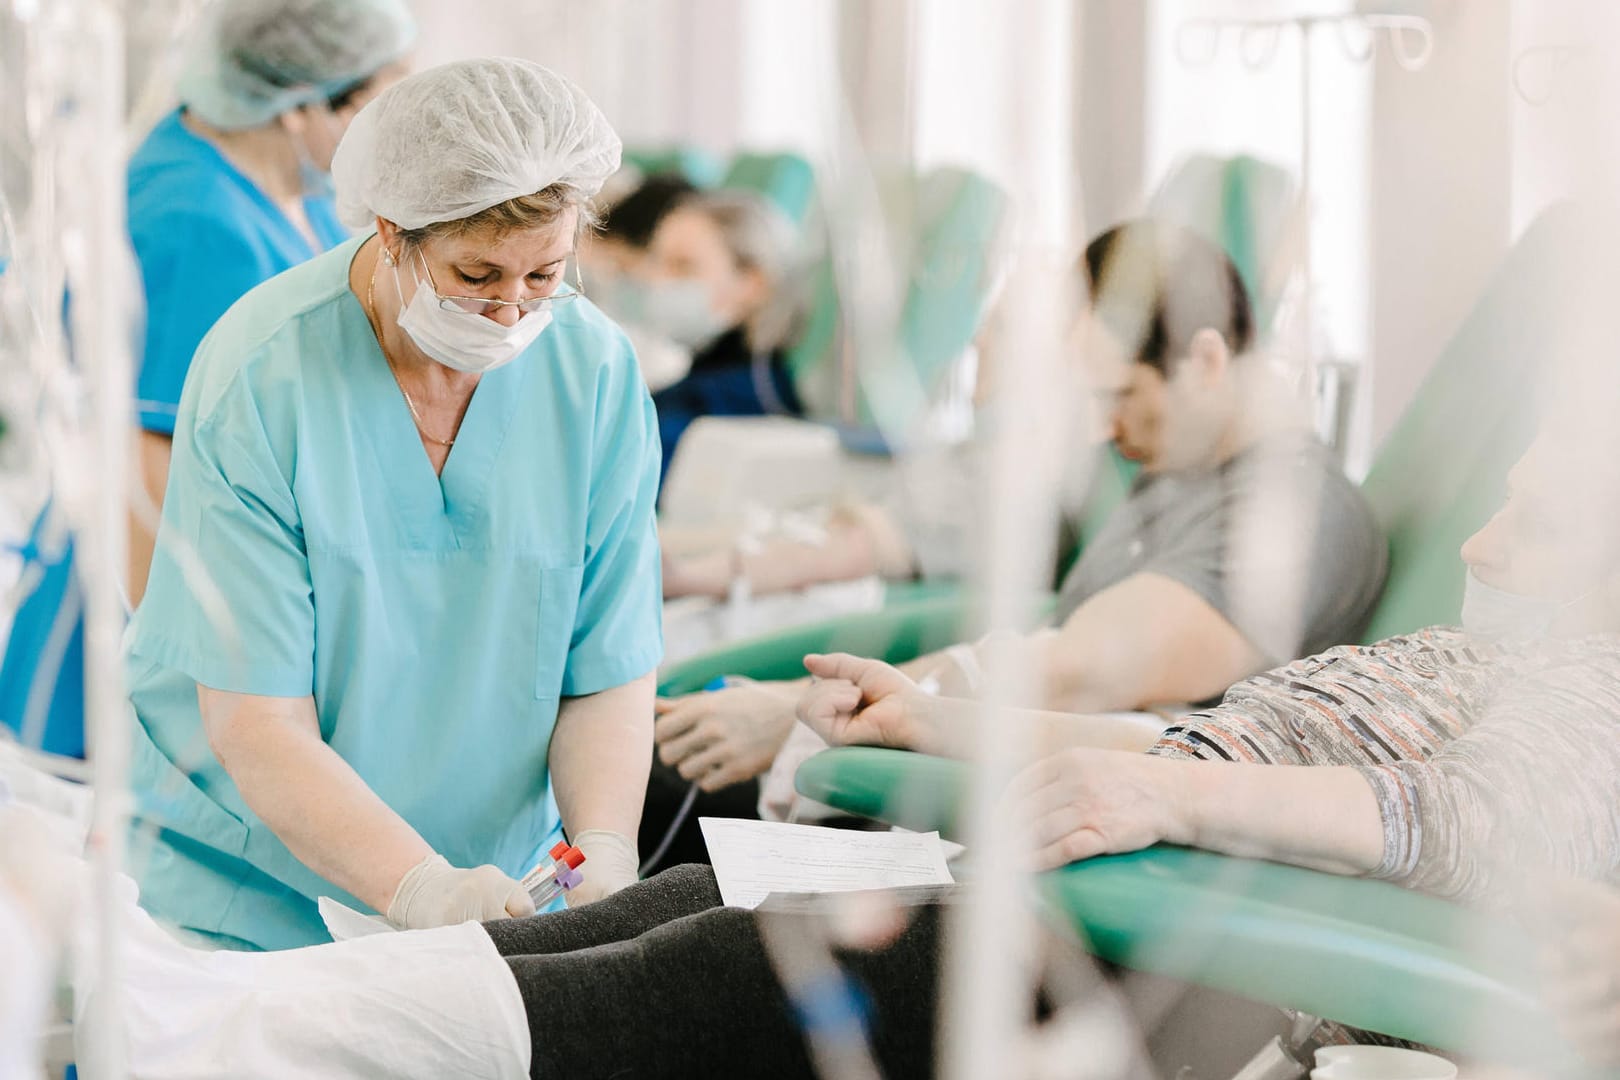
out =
column 256, row 59
column 456, row 139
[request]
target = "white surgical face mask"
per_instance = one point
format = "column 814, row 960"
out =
column 461, row 340
column 681, row 311
column 1493, row 614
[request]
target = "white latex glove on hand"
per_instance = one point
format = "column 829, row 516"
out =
column 434, row 893
column 610, row 865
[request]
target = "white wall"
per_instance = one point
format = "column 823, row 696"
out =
column 1442, row 169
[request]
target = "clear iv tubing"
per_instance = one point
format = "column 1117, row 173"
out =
column 651, row 862
column 675, row 824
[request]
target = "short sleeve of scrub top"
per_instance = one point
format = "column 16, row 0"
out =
column 193, row 267
column 621, row 579
column 204, row 234
column 249, row 627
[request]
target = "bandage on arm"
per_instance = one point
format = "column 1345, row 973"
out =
column 310, row 797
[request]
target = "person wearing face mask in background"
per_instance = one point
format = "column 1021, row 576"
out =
column 721, row 279
column 615, row 261
column 226, row 191
column 403, row 614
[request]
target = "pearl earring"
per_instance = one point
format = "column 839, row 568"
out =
column 388, row 257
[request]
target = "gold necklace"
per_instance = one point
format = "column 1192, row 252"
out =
column 376, row 327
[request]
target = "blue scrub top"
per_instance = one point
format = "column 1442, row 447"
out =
column 42, row 675
column 204, row 234
column 437, row 620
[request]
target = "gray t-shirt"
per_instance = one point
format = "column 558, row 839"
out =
column 1276, row 539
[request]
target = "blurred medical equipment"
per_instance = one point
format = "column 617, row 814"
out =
column 72, row 243
column 1410, row 39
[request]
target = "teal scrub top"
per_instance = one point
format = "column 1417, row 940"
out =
column 204, row 234
column 308, row 548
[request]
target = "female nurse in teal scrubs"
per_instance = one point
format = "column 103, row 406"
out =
column 404, row 607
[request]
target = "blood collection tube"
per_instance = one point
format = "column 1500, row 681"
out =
column 552, row 876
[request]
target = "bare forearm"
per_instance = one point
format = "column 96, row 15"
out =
column 601, row 752
column 321, row 809
column 1320, row 817
column 779, row 566
column 947, row 726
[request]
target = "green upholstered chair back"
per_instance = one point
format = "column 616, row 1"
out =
column 1440, row 472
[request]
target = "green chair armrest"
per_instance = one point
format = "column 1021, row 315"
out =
column 895, row 633
column 919, row 619
column 1364, row 953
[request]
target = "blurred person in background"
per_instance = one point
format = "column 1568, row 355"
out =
column 1241, row 544
column 615, row 258
column 235, row 186
column 230, row 189
column 722, row 279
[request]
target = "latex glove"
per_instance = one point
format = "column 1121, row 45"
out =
column 610, row 865
column 434, row 893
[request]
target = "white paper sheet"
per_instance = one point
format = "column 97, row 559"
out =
column 753, row 859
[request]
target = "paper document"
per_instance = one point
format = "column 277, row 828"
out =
column 753, row 859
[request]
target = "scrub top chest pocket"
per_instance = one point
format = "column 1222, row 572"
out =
column 558, row 600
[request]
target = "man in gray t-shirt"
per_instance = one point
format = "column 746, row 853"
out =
column 1241, row 545
column 1311, row 584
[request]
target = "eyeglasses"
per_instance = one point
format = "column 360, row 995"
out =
column 483, row 305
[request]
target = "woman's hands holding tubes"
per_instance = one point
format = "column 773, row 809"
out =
column 610, row 865
column 434, row 893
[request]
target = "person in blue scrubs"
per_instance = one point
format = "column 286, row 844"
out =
column 227, row 191
column 403, row 615
column 234, row 186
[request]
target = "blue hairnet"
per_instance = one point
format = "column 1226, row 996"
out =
column 462, row 137
column 256, row 59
